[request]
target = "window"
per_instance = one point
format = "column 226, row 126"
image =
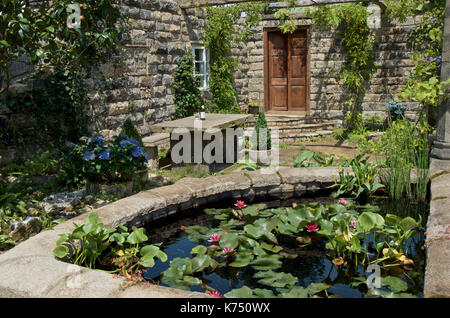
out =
column 201, row 65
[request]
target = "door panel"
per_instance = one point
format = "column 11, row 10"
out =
column 286, row 75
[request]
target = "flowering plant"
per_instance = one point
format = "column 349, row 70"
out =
column 94, row 160
column 395, row 110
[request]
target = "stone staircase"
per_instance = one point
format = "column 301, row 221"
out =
column 291, row 128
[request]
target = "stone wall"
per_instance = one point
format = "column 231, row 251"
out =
column 327, row 55
column 137, row 84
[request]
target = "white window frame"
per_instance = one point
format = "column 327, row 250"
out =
column 205, row 62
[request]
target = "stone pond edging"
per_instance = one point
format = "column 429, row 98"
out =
column 437, row 271
column 31, row 270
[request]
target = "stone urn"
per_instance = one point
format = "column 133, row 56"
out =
column 122, row 189
column 261, row 157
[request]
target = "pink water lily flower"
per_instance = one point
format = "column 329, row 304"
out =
column 228, row 250
column 214, row 238
column 343, row 202
column 214, row 293
column 353, row 224
column 312, row 227
column 294, row 205
column 240, row 204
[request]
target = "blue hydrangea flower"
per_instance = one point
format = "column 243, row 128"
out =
column 134, row 142
column 88, row 155
column 137, row 151
column 438, row 61
column 105, row 155
column 124, row 135
column 145, row 156
column 99, row 140
column 125, row 143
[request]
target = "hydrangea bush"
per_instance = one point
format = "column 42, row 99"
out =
column 96, row 161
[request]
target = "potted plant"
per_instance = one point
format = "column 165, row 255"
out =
column 260, row 141
column 253, row 108
column 107, row 168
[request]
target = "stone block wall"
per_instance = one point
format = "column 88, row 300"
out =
column 137, row 83
column 327, row 96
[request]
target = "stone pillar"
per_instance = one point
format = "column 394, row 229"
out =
column 441, row 146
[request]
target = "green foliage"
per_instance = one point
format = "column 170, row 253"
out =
column 93, row 160
column 61, row 57
column 405, row 147
column 357, row 43
column 287, row 19
column 90, row 244
column 130, row 130
column 187, row 96
column 41, row 164
column 361, row 184
column 221, row 33
column 260, row 138
column 5, row 242
column 304, row 160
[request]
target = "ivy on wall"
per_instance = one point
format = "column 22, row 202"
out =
column 358, row 44
column 221, row 33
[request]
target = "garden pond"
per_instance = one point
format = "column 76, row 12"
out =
column 309, row 247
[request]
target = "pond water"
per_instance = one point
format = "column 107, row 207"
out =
column 310, row 266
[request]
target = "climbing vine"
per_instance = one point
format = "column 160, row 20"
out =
column 358, row 44
column 222, row 32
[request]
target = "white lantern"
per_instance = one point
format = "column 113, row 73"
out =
column 374, row 19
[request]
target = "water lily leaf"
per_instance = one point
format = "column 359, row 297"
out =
column 253, row 210
column 229, row 240
column 60, row 251
column 368, row 220
column 295, row 292
column 267, row 262
column 392, row 219
column 263, row 293
column 199, row 249
column 243, row 292
column 315, row 288
column 325, row 227
column 119, row 238
column 274, row 279
column 226, row 211
column 374, row 292
column 254, row 231
column 242, row 260
column 200, row 262
column 271, row 248
column 92, row 218
column 395, row 284
column 190, row 280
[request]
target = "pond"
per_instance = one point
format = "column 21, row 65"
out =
column 312, row 262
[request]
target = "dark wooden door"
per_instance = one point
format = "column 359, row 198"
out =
column 286, row 71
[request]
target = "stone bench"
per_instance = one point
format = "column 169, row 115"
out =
column 151, row 144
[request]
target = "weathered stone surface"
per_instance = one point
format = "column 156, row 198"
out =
column 263, row 179
column 22, row 230
column 437, row 272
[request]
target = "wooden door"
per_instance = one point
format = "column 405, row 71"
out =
column 286, row 71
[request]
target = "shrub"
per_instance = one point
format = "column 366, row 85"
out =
column 187, row 95
column 260, row 139
column 130, row 130
column 92, row 160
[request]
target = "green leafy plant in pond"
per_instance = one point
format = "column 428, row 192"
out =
column 92, row 245
column 397, row 288
column 362, row 183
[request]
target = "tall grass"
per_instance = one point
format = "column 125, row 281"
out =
column 405, row 149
